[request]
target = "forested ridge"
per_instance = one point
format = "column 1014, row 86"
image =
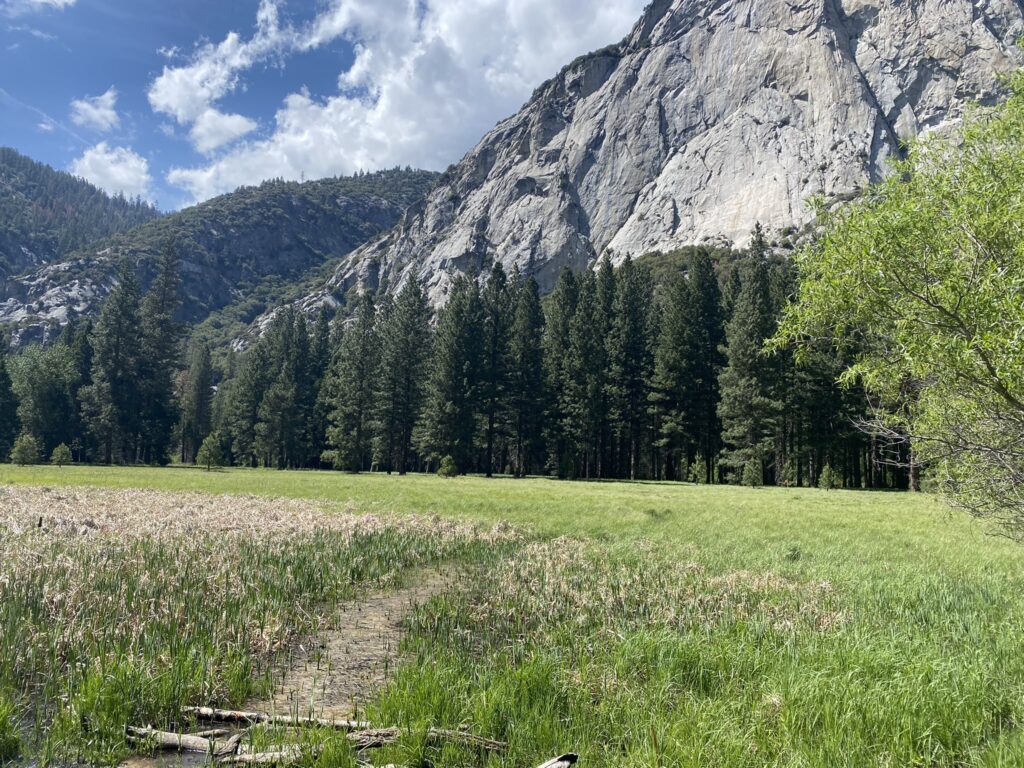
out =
column 46, row 214
column 611, row 376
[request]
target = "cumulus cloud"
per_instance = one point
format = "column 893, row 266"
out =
column 213, row 129
column 97, row 112
column 114, row 169
column 20, row 7
column 429, row 78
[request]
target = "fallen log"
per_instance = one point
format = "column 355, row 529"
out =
column 213, row 715
column 183, row 742
column 180, row 742
column 212, row 733
column 281, row 756
column 372, row 738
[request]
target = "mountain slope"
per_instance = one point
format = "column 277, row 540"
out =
column 710, row 116
column 45, row 214
column 229, row 247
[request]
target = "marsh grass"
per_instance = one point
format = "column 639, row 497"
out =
column 120, row 607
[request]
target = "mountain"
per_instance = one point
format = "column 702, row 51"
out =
column 710, row 116
column 45, row 214
column 236, row 249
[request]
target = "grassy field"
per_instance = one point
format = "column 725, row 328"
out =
column 637, row 623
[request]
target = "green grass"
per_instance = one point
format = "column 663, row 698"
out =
column 658, row 624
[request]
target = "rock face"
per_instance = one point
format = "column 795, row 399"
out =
column 710, row 116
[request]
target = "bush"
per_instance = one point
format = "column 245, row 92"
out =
column 61, row 455
column 26, row 450
column 448, row 467
column 210, row 454
column 829, row 478
column 752, row 473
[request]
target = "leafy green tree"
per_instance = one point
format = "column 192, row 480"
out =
column 355, row 372
column 9, row 424
column 27, row 449
column 527, row 392
column 197, row 402
column 923, row 278
column 61, row 455
column 44, row 379
column 112, row 403
column 405, row 344
column 210, row 453
column 453, row 387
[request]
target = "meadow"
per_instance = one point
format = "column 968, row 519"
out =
column 635, row 623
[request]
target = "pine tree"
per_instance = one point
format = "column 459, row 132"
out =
column 112, row 403
column 494, row 361
column 243, row 396
column 629, row 356
column 584, row 381
column 158, row 360
column 405, row 342
column 355, row 373
column 320, row 353
column 9, row 425
column 748, row 411
column 526, row 396
column 197, row 402
column 453, row 387
column 709, row 335
column 561, row 308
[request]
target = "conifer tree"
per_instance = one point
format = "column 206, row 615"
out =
column 158, row 359
column 748, row 411
column 196, row 407
column 494, row 361
column 112, row 403
column 561, row 308
column 527, row 396
column 355, row 373
column 405, row 343
column 709, row 335
column 629, row 356
column 584, row 381
column 453, row 389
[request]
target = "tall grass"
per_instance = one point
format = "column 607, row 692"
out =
column 103, row 625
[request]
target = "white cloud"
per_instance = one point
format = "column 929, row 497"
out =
column 47, row 126
column 428, row 80
column 96, row 112
column 114, row 169
column 213, row 129
column 20, row 7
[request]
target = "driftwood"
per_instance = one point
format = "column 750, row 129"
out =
column 210, row 714
column 212, row 733
column 371, row 738
column 183, row 742
column 280, row 756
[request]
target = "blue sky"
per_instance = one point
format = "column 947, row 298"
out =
column 179, row 100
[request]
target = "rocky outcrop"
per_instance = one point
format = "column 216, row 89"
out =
column 710, row 116
column 233, row 249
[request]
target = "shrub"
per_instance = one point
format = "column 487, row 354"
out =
column 829, row 478
column 752, row 474
column 448, row 467
column 61, row 455
column 210, row 453
column 26, row 450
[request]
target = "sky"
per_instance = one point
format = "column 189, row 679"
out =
column 180, row 100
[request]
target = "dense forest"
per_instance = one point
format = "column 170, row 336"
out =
column 46, row 214
column 611, row 376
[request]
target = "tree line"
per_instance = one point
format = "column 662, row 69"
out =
column 611, row 376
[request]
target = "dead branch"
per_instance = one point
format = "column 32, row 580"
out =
column 213, row 715
column 372, row 738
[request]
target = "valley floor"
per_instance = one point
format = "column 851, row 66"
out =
column 636, row 623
